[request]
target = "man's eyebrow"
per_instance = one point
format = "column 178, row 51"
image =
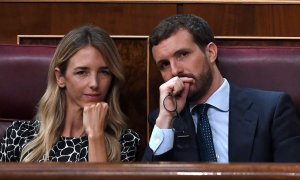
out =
column 161, row 61
column 180, row 51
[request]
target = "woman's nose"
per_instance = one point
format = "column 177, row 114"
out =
column 94, row 81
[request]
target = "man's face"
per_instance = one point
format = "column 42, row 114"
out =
column 180, row 56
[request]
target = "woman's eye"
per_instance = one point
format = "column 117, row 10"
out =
column 105, row 73
column 81, row 73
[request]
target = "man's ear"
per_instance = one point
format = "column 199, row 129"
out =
column 212, row 52
column 60, row 79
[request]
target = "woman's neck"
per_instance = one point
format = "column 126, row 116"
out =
column 73, row 126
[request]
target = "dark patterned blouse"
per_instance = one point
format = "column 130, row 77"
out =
column 67, row 149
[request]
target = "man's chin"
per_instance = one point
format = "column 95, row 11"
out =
column 191, row 95
column 194, row 95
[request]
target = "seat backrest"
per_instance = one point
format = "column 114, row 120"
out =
column 267, row 68
column 23, row 80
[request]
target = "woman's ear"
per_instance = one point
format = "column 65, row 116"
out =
column 60, row 79
column 212, row 52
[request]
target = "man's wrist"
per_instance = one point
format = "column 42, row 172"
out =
column 164, row 122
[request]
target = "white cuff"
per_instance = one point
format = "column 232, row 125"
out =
column 161, row 140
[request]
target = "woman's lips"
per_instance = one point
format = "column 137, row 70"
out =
column 93, row 97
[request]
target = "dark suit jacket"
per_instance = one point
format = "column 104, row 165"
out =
column 263, row 127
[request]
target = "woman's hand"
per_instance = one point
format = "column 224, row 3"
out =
column 94, row 119
column 94, row 122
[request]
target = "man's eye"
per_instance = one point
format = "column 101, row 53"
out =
column 164, row 65
column 182, row 55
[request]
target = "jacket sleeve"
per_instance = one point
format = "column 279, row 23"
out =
column 148, row 153
column 286, row 131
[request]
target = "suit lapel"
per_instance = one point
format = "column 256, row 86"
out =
column 242, row 125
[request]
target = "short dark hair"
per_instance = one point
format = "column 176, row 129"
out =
column 197, row 26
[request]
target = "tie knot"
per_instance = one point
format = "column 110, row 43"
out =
column 201, row 108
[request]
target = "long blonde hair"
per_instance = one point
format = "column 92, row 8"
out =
column 51, row 108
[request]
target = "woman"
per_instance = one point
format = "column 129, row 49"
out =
column 79, row 117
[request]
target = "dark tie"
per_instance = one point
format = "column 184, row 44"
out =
column 204, row 135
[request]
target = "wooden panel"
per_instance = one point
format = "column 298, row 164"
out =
column 155, row 80
column 59, row 18
column 240, row 18
column 134, row 93
column 150, row 171
column 249, row 19
column 171, row 1
column 39, row 39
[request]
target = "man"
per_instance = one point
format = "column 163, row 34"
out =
column 243, row 125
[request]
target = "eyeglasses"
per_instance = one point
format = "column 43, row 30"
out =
column 182, row 133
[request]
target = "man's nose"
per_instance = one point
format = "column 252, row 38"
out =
column 176, row 68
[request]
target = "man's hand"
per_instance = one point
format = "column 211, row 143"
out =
column 179, row 88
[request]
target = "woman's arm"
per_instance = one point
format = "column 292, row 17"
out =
column 130, row 142
column 94, row 121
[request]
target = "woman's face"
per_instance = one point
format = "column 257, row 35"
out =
column 87, row 78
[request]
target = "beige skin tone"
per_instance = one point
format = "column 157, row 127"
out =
column 86, row 82
column 181, row 62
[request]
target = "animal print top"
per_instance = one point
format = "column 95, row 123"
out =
column 67, row 149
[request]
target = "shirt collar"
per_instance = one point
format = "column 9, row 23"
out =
column 220, row 98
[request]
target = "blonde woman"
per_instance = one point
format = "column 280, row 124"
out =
column 79, row 117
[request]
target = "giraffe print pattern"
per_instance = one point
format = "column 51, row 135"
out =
column 66, row 149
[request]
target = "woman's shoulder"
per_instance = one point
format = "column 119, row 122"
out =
column 15, row 137
column 21, row 127
column 130, row 141
column 130, row 135
column 130, row 138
